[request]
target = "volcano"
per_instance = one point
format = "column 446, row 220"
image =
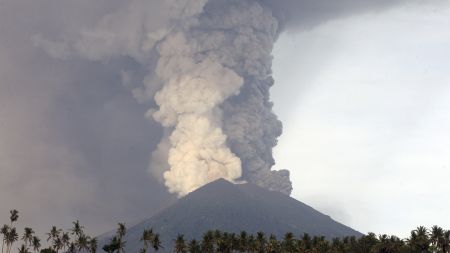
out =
column 233, row 208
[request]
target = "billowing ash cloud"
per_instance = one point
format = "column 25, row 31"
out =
column 215, row 69
column 207, row 76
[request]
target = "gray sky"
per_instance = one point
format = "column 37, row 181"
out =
column 74, row 143
column 366, row 112
column 363, row 100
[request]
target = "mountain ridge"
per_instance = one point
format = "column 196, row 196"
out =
column 232, row 208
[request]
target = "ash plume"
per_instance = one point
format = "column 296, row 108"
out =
column 220, row 68
column 216, row 74
column 205, row 69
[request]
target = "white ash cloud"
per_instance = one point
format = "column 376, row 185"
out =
column 72, row 137
column 219, row 131
column 207, row 76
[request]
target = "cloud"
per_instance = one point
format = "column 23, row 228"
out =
column 72, row 134
column 73, row 141
column 368, row 133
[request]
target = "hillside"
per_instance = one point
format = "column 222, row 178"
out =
column 232, row 208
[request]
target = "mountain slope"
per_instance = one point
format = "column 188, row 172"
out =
column 232, row 208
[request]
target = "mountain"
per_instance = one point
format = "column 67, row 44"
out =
column 233, row 208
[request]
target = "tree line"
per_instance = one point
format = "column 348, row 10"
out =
column 74, row 240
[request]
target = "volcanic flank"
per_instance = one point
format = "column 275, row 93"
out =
column 233, row 208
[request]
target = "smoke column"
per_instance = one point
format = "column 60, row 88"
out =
column 208, row 74
column 216, row 74
column 215, row 68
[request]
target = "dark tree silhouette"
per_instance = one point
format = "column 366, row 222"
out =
column 180, row 245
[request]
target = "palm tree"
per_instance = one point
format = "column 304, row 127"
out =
column 65, row 238
column 112, row 246
column 36, row 243
column 317, row 241
column 120, row 245
column 194, row 247
column 272, row 245
column 446, row 242
column 221, row 243
column 147, row 238
column 53, row 234
column 57, row 244
column 107, row 248
column 77, row 229
column 288, row 243
column 260, row 242
column 23, row 249
column 12, row 235
column 47, row 250
column 207, row 243
column 93, row 245
column 72, row 248
column 234, row 240
column 337, row 245
column 388, row 244
column 228, row 242
column 382, row 244
column 437, row 237
column 82, row 242
column 116, row 244
column 121, row 230
column 11, row 238
column 180, row 245
column 4, row 231
column 419, row 239
column 251, row 247
column 28, row 235
column 365, row 243
column 321, row 244
column 243, row 241
column 14, row 216
column 306, row 240
column 156, row 242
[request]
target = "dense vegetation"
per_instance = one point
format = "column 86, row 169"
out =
column 421, row 240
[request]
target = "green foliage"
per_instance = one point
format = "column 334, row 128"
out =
column 421, row 240
column 47, row 250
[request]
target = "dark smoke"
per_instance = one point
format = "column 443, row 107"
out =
column 209, row 71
